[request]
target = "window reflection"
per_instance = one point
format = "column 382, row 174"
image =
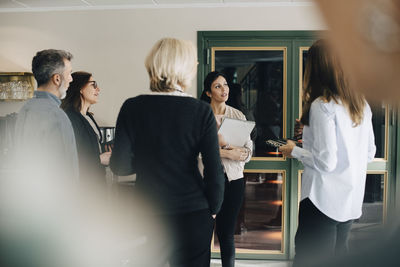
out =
column 379, row 125
column 365, row 228
column 260, row 74
column 302, row 68
column 304, row 59
column 259, row 225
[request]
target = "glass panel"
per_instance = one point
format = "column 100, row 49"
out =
column 304, row 59
column 364, row 229
column 260, row 75
column 378, row 118
column 302, row 68
column 259, row 225
column 379, row 125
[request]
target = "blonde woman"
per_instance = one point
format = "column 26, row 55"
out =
column 338, row 142
column 159, row 136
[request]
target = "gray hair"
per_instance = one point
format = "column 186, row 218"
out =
column 48, row 62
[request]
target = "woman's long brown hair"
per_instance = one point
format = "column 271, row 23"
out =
column 324, row 77
column 73, row 98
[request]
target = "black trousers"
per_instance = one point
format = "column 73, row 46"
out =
column 226, row 219
column 318, row 237
column 190, row 238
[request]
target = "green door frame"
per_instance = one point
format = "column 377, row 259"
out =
column 293, row 40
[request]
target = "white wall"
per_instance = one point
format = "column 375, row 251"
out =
column 112, row 44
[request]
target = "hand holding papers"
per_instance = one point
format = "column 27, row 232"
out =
column 236, row 132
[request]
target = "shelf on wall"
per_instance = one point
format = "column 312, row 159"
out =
column 16, row 86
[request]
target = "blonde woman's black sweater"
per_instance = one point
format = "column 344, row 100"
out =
column 159, row 137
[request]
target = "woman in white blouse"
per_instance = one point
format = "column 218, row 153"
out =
column 338, row 142
column 216, row 92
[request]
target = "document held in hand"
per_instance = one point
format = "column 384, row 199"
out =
column 236, row 132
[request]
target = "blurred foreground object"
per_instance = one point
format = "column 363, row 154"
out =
column 366, row 34
column 47, row 223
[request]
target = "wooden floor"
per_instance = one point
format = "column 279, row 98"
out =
column 253, row 263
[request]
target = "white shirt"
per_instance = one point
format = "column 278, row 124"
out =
column 91, row 122
column 234, row 168
column 335, row 156
column 94, row 127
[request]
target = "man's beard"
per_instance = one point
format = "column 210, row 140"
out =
column 62, row 89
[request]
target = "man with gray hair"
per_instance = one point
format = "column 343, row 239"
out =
column 45, row 141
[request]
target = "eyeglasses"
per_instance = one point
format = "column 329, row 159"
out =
column 94, row 84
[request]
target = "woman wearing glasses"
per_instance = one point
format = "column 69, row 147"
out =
column 81, row 94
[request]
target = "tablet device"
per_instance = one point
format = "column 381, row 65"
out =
column 236, row 132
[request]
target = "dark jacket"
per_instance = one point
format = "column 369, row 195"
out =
column 159, row 137
column 87, row 143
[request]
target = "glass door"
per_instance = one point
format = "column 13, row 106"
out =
column 259, row 66
column 259, row 76
column 265, row 68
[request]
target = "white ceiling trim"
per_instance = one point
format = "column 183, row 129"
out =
column 153, row 6
column 19, row 3
column 86, row 2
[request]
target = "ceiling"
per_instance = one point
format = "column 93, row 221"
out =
column 47, row 5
